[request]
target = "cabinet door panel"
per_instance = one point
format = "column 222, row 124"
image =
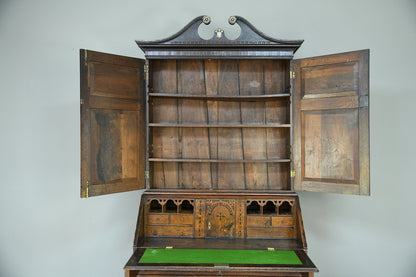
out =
column 112, row 123
column 331, row 123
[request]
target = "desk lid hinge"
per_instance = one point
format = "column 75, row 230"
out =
column 221, row 266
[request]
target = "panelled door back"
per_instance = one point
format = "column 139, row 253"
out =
column 331, row 140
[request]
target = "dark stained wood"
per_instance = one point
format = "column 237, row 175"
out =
column 251, row 44
column 112, row 124
column 217, row 272
column 139, row 233
column 226, row 123
column 331, row 135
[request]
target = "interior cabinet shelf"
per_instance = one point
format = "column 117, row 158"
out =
column 220, row 161
column 190, row 125
column 240, row 98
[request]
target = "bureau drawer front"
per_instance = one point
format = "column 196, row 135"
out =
column 182, row 219
column 157, row 219
column 258, row 221
column 170, row 231
column 283, row 221
column 271, row 232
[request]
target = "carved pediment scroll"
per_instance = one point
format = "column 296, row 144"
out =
column 188, row 43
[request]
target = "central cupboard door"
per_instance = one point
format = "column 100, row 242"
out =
column 221, row 218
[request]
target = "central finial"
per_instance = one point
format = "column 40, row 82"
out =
column 219, row 32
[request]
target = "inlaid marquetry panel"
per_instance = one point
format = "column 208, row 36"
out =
column 200, row 219
column 221, row 218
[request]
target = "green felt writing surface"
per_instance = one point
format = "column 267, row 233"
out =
column 219, row 256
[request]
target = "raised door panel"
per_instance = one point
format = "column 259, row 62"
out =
column 331, row 123
column 112, row 123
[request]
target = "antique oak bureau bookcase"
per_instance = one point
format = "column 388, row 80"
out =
column 221, row 133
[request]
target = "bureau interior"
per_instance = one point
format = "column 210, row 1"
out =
column 219, row 124
column 221, row 217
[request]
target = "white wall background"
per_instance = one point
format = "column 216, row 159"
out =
column 46, row 229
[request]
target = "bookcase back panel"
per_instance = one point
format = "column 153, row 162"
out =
column 219, row 124
column 220, row 77
column 166, row 175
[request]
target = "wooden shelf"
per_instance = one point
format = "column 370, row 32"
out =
column 237, row 98
column 191, row 125
column 219, row 161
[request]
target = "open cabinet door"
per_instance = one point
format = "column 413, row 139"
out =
column 112, row 123
column 331, row 123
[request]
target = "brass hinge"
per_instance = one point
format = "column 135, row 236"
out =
column 292, row 74
column 146, row 68
column 146, row 174
column 169, row 247
column 87, row 189
column 85, row 58
column 270, row 249
column 82, row 101
column 292, row 174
